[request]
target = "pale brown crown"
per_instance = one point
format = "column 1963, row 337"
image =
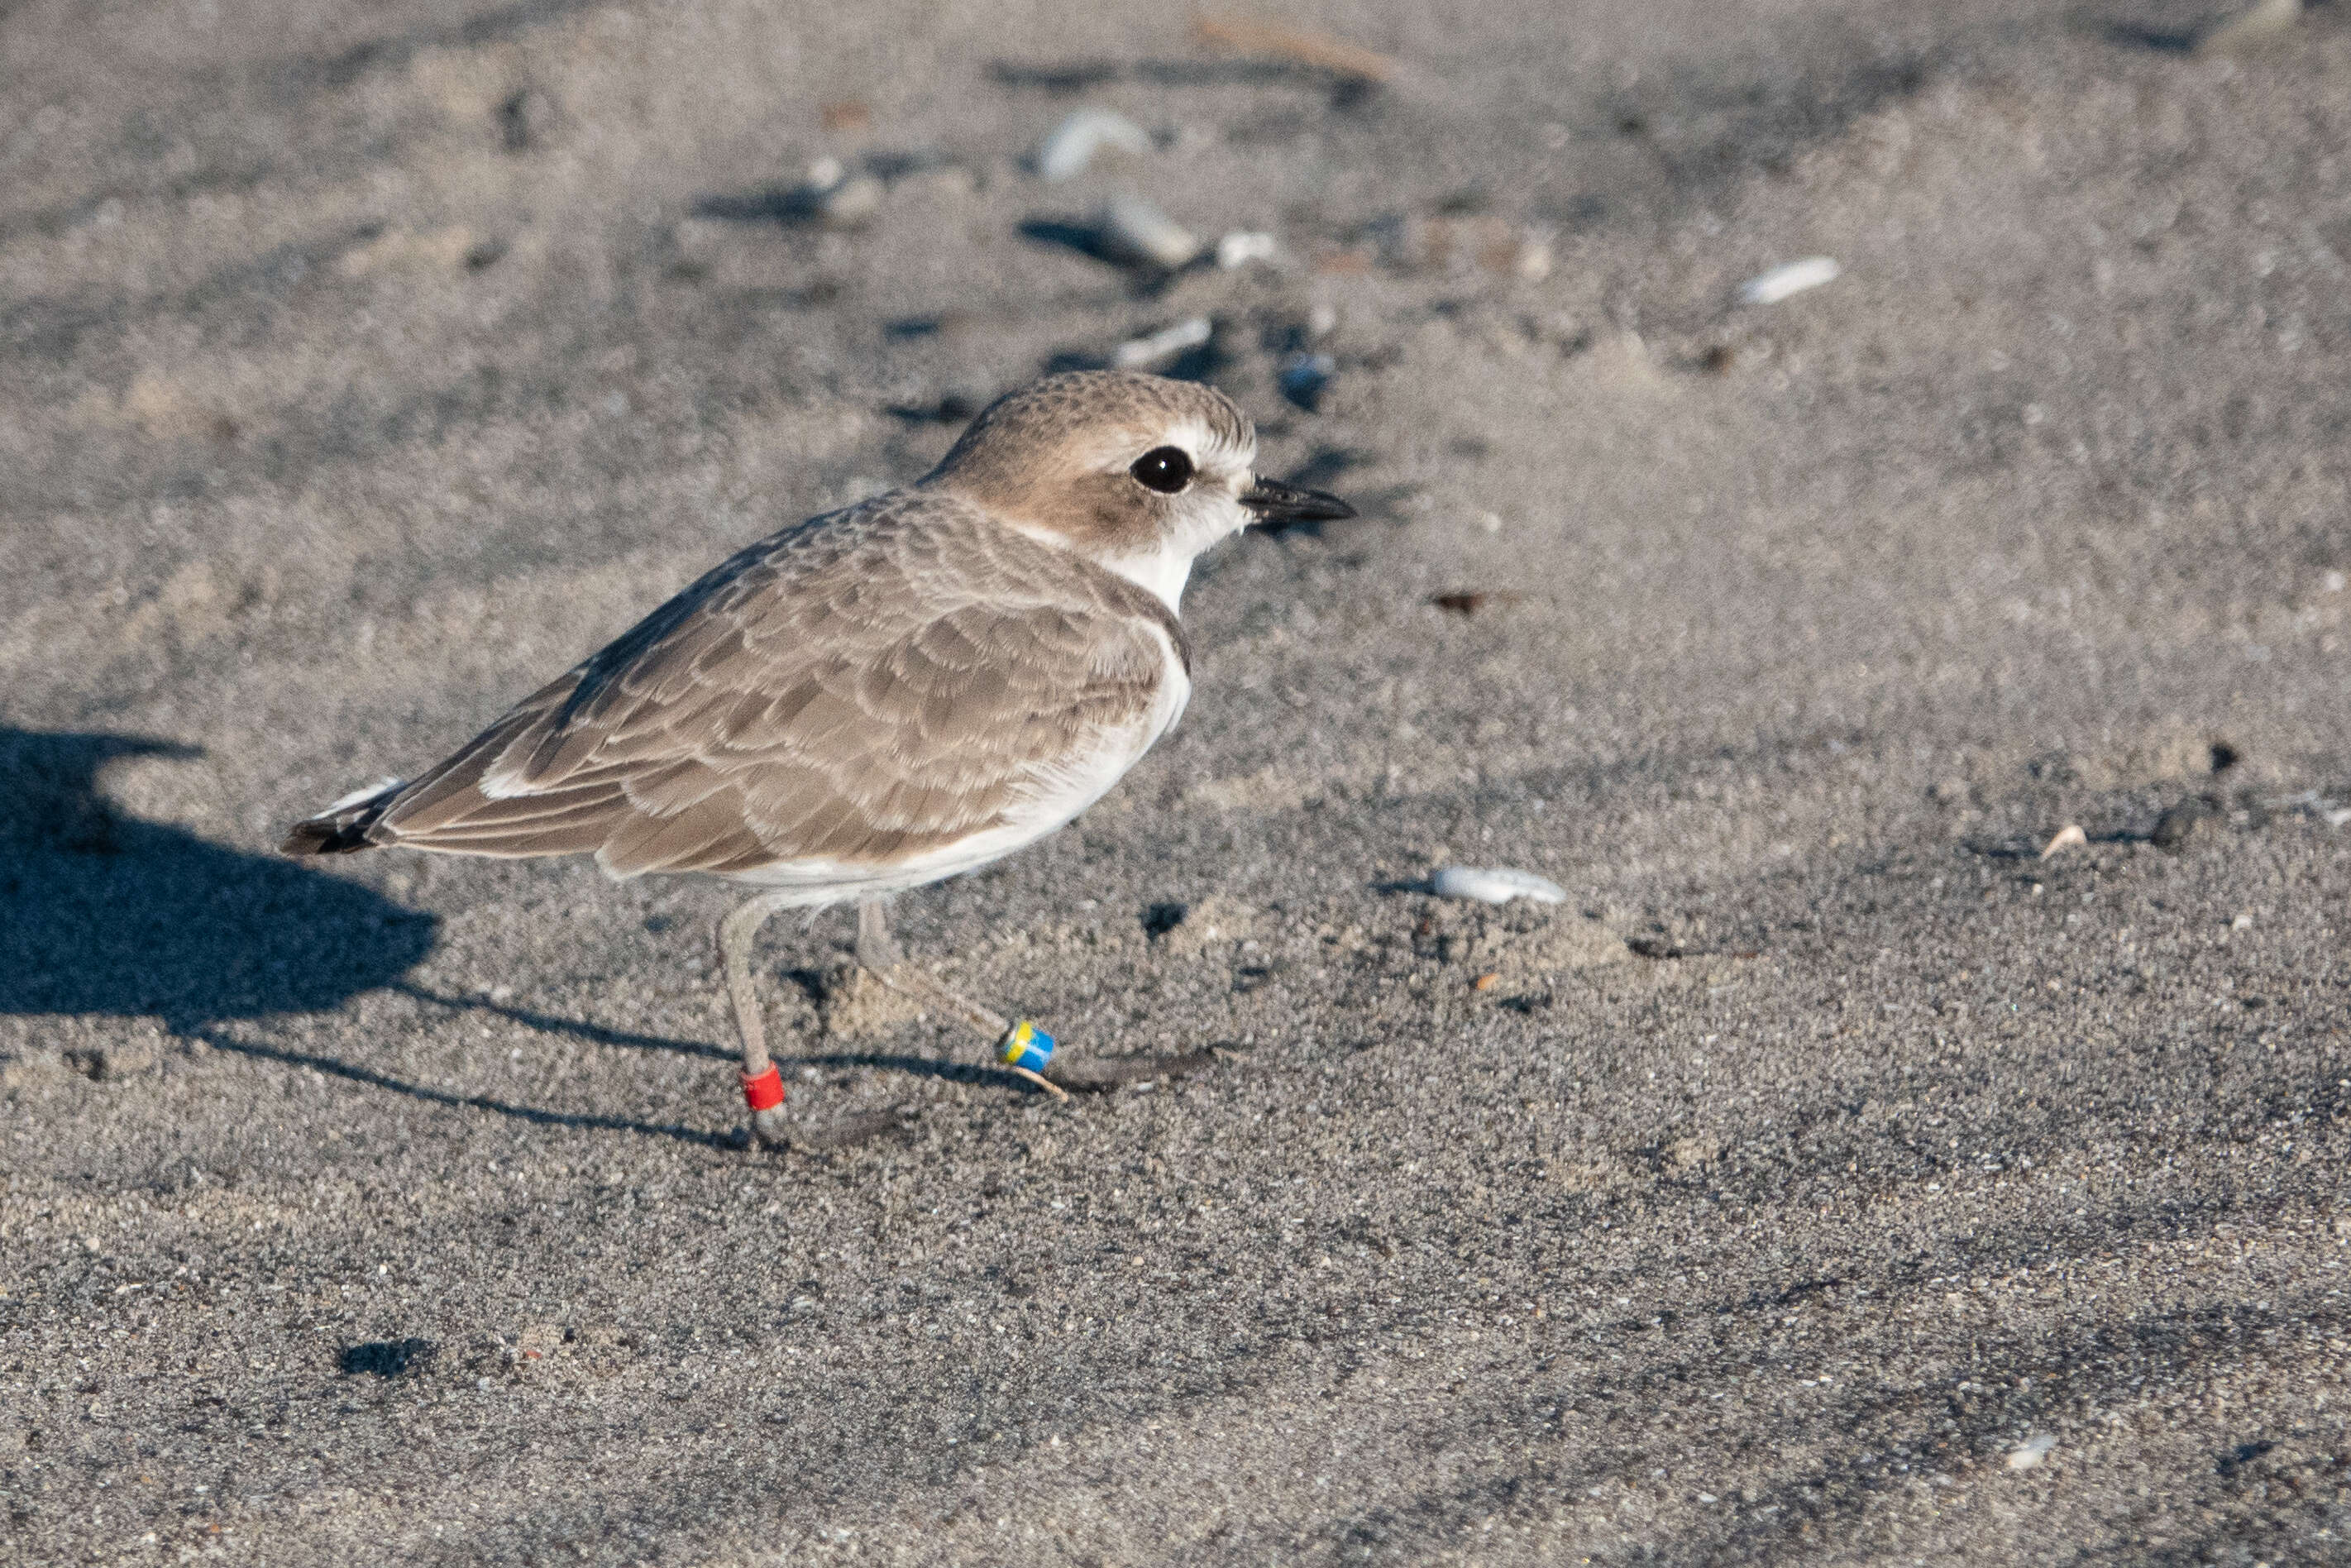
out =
column 1053, row 458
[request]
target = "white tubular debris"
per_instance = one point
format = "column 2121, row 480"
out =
column 1495, row 884
column 1132, row 230
column 1770, row 288
column 1164, row 344
column 1075, row 143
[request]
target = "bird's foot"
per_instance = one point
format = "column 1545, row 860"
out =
column 1024, row 1048
column 935, row 995
column 770, row 1129
column 764, row 1094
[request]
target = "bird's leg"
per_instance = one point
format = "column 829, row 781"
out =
column 877, row 951
column 878, row 954
column 763, row 1086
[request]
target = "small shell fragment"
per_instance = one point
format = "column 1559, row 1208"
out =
column 2258, row 24
column 1794, row 278
column 2070, row 836
column 1242, row 247
column 1163, row 345
column 1495, row 884
column 2034, row 1449
column 1086, row 133
column 834, row 196
column 850, row 203
column 1135, row 231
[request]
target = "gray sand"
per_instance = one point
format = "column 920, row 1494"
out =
column 364, row 365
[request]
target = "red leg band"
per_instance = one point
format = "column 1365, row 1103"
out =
column 766, row 1092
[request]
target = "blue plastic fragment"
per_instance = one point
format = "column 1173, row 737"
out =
column 1025, row 1045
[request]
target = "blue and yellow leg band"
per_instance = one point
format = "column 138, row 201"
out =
column 1025, row 1045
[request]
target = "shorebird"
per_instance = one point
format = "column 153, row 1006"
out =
column 877, row 697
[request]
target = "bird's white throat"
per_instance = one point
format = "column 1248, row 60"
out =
column 1163, row 572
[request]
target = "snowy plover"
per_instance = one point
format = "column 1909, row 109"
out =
column 878, row 697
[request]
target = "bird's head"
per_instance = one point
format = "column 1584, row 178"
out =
column 1137, row 473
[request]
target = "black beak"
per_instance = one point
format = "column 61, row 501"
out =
column 1277, row 504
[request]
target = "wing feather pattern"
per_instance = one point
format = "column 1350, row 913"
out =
column 851, row 691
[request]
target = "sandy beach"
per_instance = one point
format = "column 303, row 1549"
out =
column 1832, row 1178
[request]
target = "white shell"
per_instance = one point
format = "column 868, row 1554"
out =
column 1770, row 288
column 1135, row 230
column 849, row 202
column 1164, row 344
column 1242, row 247
column 1495, row 884
column 2035, row 1448
column 2069, row 837
column 1071, row 147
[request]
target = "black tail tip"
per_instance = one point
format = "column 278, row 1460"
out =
column 344, row 828
column 324, row 836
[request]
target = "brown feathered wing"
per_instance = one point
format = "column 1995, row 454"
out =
column 867, row 686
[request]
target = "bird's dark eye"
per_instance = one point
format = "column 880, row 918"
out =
column 1165, row 469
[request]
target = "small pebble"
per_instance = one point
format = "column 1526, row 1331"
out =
column 2036, row 1449
column 834, row 196
column 1084, row 135
column 1242, row 247
column 526, row 120
column 1303, row 377
column 1133, row 231
column 1470, row 601
column 1495, row 884
column 850, row 203
column 2171, row 828
column 1164, row 344
column 1794, row 278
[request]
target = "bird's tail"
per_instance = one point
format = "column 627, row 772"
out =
column 346, row 827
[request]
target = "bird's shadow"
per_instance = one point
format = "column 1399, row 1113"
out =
column 103, row 913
